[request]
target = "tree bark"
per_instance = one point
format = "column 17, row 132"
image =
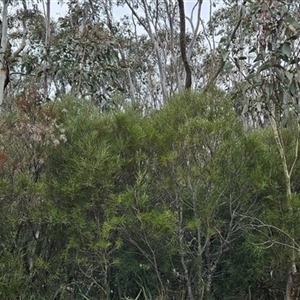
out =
column 47, row 45
column 146, row 24
column 188, row 72
column 3, row 64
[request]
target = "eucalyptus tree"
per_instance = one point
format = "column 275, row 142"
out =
column 7, row 56
column 87, row 60
column 91, row 53
column 4, row 46
column 270, row 88
column 188, row 75
column 61, row 56
column 28, row 31
column 160, row 21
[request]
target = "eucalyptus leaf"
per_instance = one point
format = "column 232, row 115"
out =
column 293, row 89
column 286, row 49
column 289, row 75
column 292, row 21
column 225, row 55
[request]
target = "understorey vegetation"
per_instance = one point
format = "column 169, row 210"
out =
column 149, row 150
column 179, row 203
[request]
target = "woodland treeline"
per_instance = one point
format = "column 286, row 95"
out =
column 150, row 156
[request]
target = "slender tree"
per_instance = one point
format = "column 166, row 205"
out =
column 3, row 51
column 47, row 10
column 188, row 72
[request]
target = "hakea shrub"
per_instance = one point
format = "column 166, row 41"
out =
column 28, row 131
column 27, row 134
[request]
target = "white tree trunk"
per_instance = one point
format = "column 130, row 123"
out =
column 47, row 43
column 147, row 25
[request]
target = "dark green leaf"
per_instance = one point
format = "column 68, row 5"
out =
column 293, row 89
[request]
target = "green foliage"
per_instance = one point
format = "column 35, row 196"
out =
column 271, row 82
column 124, row 202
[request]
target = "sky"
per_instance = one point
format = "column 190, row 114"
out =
column 58, row 10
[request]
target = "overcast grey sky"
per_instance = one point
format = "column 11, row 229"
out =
column 58, row 10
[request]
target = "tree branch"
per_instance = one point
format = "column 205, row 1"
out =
column 222, row 63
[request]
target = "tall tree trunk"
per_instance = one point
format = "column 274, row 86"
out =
column 188, row 72
column 3, row 50
column 47, row 45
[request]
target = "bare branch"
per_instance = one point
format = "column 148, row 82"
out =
column 195, row 30
column 14, row 56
